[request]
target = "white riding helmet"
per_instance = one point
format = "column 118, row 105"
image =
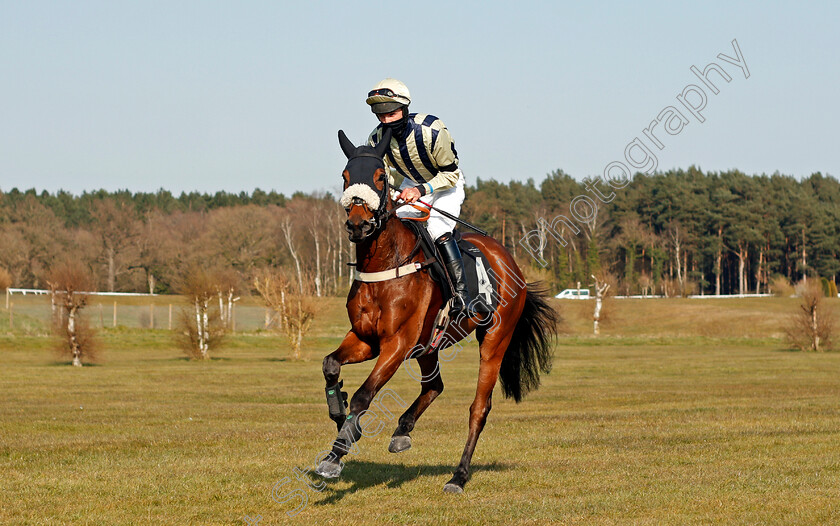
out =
column 388, row 95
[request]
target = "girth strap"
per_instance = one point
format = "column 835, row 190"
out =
column 393, row 273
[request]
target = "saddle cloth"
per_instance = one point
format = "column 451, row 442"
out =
column 481, row 283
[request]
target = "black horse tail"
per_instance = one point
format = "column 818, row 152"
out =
column 530, row 351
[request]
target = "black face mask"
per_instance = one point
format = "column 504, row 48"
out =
column 398, row 127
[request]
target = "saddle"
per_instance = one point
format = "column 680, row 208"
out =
column 481, row 284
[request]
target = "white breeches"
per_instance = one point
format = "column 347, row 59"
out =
column 448, row 200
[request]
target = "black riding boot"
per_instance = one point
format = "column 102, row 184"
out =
column 455, row 266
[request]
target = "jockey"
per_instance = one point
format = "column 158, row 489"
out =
column 423, row 154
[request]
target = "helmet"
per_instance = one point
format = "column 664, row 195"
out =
column 388, row 95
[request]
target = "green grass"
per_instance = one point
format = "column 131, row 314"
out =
column 650, row 424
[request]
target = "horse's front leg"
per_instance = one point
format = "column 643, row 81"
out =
column 392, row 351
column 351, row 350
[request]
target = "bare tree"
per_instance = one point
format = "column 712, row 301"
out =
column 68, row 283
column 240, row 237
column 228, row 287
column 602, row 286
column 294, row 310
column 337, row 238
column 150, row 248
column 810, row 329
column 676, row 236
column 315, row 232
column 645, row 283
column 201, row 325
column 31, row 241
column 670, row 287
column 15, row 256
column 115, row 224
column 184, row 245
column 5, row 283
column 288, row 234
column 5, row 279
column 542, row 231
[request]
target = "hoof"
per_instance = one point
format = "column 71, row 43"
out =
column 329, row 470
column 452, row 488
column 399, row 444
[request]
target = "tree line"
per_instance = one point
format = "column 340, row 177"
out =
column 675, row 232
column 149, row 242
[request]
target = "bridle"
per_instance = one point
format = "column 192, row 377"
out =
column 380, row 215
column 360, row 189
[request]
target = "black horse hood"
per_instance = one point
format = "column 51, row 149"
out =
column 363, row 161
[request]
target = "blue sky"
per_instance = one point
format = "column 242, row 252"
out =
column 231, row 96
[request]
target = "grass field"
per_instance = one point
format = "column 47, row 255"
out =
column 683, row 412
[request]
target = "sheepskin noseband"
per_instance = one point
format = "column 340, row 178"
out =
column 362, row 191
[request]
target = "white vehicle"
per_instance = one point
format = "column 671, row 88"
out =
column 574, row 294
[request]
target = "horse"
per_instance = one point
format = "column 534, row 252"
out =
column 391, row 319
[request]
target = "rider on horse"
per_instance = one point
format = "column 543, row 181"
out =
column 423, row 154
column 394, row 304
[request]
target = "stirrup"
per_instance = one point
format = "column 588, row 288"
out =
column 457, row 304
column 479, row 307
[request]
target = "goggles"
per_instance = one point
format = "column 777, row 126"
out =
column 386, row 92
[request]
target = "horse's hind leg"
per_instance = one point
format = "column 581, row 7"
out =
column 351, row 350
column 431, row 385
column 491, row 361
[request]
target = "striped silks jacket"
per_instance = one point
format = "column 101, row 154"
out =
column 424, row 154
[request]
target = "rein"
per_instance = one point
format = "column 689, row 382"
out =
column 381, row 215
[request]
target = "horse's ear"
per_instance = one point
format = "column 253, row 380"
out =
column 346, row 145
column 384, row 143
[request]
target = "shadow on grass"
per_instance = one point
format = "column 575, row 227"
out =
column 188, row 359
column 363, row 475
column 70, row 364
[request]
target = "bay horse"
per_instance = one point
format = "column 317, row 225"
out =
column 390, row 318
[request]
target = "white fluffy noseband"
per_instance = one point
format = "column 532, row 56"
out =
column 362, row 191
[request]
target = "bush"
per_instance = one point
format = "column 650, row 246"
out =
column 810, row 329
column 201, row 327
column 68, row 281
column 645, row 285
column 294, row 311
column 690, row 288
column 669, row 287
column 781, row 287
column 5, row 279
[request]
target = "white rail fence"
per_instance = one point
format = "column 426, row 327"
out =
column 698, row 296
column 151, row 311
column 39, row 292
